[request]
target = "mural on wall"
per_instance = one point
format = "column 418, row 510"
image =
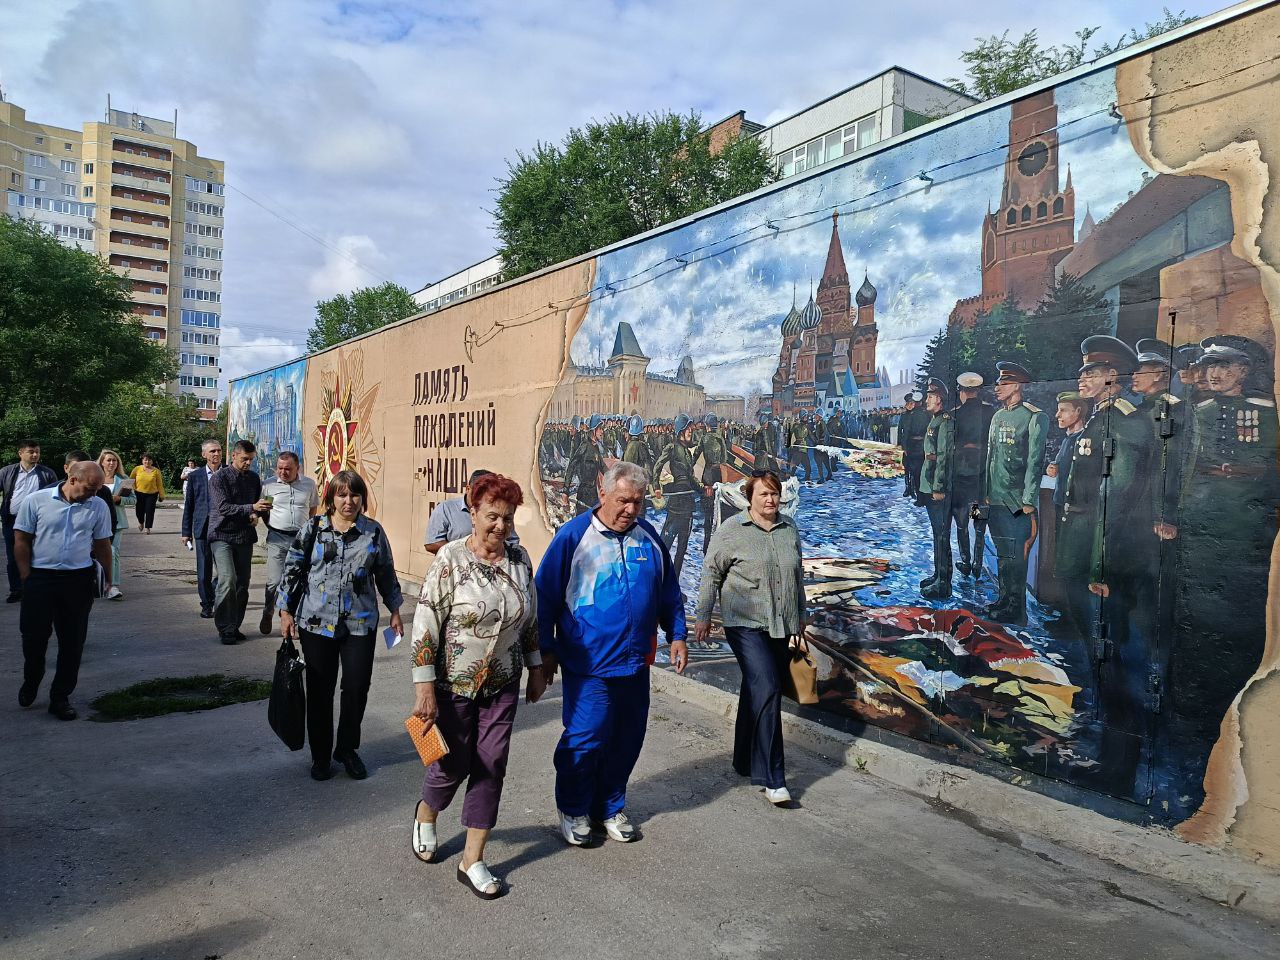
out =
column 266, row 408
column 342, row 437
column 1024, row 404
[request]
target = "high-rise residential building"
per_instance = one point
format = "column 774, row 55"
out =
column 129, row 190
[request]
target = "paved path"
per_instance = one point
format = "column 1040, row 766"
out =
column 200, row 836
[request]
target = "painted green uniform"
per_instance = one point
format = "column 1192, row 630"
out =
column 637, row 452
column 1015, row 450
column 680, row 491
column 714, row 452
column 935, row 477
column 586, row 466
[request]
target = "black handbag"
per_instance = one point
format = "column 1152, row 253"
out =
column 287, row 708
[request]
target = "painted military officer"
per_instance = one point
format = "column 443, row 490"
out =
column 798, row 447
column 912, row 424
column 714, row 452
column 973, row 426
column 765, row 444
column 1106, row 542
column 835, row 432
column 1225, row 531
column 677, row 460
column 817, row 439
column 1015, row 449
column 935, row 487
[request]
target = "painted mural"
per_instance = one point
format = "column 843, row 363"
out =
column 1018, row 374
column 1014, row 445
column 266, row 408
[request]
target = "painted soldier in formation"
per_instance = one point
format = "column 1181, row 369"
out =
column 798, row 447
column 1015, row 450
column 764, row 446
column 835, row 433
column 912, row 424
column 677, row 460
column 1106, row 541
column 714, row 452
column 973, row 426
column 636, row 450
column 1225, row 530
column 818, row 439
column 1071, row 415
column 585, row 466
column 936, row 489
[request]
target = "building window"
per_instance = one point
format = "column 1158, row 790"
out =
column 1011, row 218
column 832, row 146
column 1026, row 214
column 68, row 166
column 39, row 141
column 88, row 168
column 1042, row 210
column 67, row 147
column 37, row 160
column 15, row 179
column 1058, row 207
column 88, row 191
column 68, row 189
column 36, row 183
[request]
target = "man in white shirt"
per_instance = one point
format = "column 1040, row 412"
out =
column 17, row 482
column 59, row 533
column 293, row 501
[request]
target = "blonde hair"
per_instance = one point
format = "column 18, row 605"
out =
column 119, row 464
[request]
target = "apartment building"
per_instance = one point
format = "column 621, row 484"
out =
column 129, row 190
column 880, row 107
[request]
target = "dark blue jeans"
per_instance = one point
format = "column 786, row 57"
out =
column 757, row 737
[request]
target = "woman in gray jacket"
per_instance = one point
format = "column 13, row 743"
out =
column 328, row 598
column 753, row 568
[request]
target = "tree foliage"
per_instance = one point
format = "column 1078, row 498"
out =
column 68, row 341
column 134, row 419
column 998, row 65
column 348, row 315
column 614, row 179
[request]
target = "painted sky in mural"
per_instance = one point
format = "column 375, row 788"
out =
column 919, row 246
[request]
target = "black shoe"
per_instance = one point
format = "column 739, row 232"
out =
column 352, row 764
column 229, row 641
column 206, row 614
column 938, row 590
column 240, row 637
column 13, row 597
column 27, row 694
column 63, row 710
column 926, row 584
column 963, row 568
column 321, row 771
column 264, row 625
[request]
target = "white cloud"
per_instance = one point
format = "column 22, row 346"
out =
column 246, row 353
column 354, row 261
column 389, row 122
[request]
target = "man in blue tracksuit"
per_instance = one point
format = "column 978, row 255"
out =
column 605, row 585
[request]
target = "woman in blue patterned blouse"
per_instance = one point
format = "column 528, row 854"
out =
column 333, row 574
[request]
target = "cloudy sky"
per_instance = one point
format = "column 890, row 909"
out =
column 363, row 139
column 917, row 243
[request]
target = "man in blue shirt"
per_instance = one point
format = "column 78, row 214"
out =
column 451, row 519
column 59, row 533
column 605, row 585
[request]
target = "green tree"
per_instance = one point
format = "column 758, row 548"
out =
column 67, row 338
column 348, row 315
column 997, row 65
column 134, row 419
column 1070, row 311
column 935, row 362
column 614, row 179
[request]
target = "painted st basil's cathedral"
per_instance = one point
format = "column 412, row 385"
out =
column 829, row 347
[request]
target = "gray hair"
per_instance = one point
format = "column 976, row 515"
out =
column 288, row 455
column 211, row 442
column 625, row 472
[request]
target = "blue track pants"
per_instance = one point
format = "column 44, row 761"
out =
column 604, row 726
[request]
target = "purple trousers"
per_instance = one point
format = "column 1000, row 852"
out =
column 478, row 732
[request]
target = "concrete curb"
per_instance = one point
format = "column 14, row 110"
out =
column 1215, row 875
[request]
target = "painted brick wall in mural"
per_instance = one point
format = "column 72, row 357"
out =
column 1024, row 456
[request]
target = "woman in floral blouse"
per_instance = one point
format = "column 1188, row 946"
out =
column 475, row 629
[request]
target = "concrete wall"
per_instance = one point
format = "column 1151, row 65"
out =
column 1119, row 633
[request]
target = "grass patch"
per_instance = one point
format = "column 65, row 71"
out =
column 155, row 698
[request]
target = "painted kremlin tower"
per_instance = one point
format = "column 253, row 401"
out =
column 1034, row 226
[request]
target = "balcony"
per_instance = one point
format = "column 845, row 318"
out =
column 138, row 267
column 122, row 195
column 138, row 253
column 142, row 293
column 139, row 221
column 145, row 151
column 119, row 157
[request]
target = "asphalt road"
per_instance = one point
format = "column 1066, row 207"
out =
column 200, row 836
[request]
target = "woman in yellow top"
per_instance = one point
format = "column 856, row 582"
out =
column 148, row 487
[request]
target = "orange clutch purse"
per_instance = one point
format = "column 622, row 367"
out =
column 431, row 746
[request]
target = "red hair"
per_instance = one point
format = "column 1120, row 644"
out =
column 494, row 486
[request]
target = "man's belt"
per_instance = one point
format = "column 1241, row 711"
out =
column 291, row 533
column 971, row 446
column 931, row 456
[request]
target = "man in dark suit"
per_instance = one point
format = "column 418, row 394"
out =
column 17, row 482
column 195, row 522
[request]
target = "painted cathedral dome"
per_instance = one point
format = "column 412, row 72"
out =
column 791, row 323
column 811, row 316
column 866, row 294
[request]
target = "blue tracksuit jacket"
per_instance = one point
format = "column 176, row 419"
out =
column 602, row 596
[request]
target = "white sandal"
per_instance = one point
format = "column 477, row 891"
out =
column 479, row 879
column 424, row 838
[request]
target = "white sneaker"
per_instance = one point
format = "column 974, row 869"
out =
column 777, row 796
column 620, row 828
column 114, row 593
column 575, row 830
